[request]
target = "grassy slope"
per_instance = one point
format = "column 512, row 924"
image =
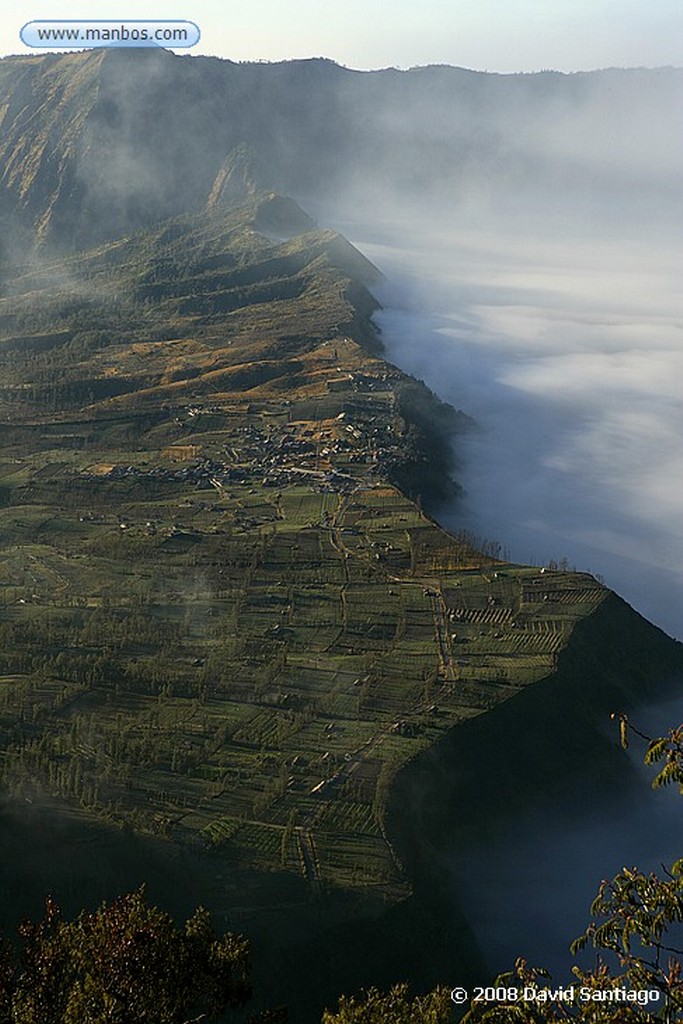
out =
column 223, row 624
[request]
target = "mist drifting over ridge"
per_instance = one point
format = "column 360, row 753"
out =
column 548, row 307
column 542, row 297
column 567, row 355
column 529, row 232
column 528, row 227
column 129, row 137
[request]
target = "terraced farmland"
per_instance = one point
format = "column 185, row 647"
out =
column 223, row 622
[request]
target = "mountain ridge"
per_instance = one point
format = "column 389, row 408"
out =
column 119, row 139
column 227, row 623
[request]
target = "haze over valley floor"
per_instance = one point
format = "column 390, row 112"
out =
column 566, row 351
column 228, row 623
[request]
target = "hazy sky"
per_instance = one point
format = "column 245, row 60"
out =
column 493, row 35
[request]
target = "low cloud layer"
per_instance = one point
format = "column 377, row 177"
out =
column 567, row 353
column 562, row 340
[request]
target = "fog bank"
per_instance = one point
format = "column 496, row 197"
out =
column 566, row 350
column 563, row 343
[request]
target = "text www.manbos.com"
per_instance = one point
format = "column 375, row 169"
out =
column 109, row 33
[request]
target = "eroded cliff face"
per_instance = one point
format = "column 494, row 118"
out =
column 47, row 104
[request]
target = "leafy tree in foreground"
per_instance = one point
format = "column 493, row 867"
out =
column 126, row 963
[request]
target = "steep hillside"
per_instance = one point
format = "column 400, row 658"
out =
column 232, row 638
column 224, row 623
